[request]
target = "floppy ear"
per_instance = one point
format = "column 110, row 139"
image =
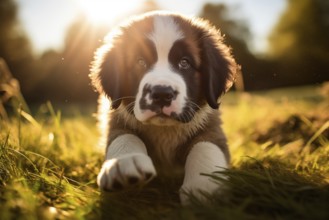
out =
column 106, row 73
column 217, row 66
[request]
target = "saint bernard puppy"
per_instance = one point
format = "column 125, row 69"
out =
column 164, row 74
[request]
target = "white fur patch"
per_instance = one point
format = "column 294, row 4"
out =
column 148, row 99
column 125, row 144
column 204, row 158
column 126, row 164
column 166, row 32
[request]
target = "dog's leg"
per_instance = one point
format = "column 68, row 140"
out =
column 204, row 158
column 127, row 164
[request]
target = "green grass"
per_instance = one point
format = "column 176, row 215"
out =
column 279, row 170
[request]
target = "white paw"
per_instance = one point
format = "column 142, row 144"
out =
column 204, row 157
column 200, row 187
column 126, row 171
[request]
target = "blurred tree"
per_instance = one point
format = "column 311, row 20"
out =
column 15, row 47
column 237, row 35
column 66, row 78
column 300, row 42
column 219, row 15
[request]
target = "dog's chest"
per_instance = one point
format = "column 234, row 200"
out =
column 162, row 143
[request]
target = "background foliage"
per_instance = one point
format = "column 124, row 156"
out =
column 297, row 55
column 299, row 42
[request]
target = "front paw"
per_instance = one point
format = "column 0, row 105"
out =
column 201, row 187
column 126, row 171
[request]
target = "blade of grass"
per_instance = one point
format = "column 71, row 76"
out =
column 324, row 127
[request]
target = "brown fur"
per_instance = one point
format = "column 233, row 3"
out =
column 170, row 145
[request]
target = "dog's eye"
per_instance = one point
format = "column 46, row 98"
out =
column 184, row 64
column 141, row 62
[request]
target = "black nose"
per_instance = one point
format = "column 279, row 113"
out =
column 163, row 95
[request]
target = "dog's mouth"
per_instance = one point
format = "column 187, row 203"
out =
column 163, row 116
column 162, row 120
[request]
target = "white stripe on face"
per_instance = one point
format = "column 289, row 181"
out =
column 165, row 33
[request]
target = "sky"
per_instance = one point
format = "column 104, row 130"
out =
column 46, row 21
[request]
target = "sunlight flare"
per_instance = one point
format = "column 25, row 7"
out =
column 101, row 11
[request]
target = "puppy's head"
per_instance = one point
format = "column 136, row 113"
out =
column 164, row 67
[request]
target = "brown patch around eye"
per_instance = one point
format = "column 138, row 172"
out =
column 142, row 62
column 191, row 40
column 194, row 50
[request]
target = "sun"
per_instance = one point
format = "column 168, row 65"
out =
column 107, row 11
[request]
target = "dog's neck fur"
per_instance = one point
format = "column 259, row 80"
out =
column 162, row 142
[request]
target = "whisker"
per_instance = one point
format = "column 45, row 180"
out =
column 129, row 109
column 190, row 114
column 184, row 117
column 122, row 98
column 193, row 104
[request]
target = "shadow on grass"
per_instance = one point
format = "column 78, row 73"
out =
column 272, row 189
column 267, row 189
column 156, row 199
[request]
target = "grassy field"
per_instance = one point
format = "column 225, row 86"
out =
column 280, row 165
